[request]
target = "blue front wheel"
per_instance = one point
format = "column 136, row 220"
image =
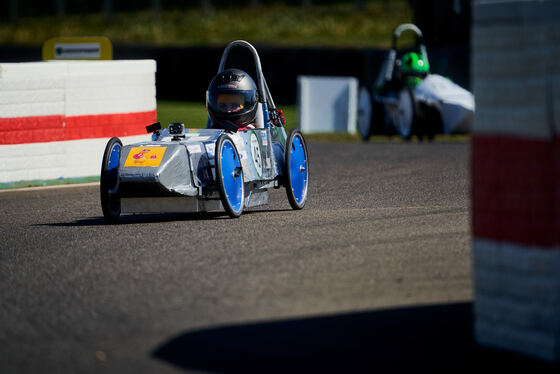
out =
column 229, row 176
column 297, row 169
column 110, row 205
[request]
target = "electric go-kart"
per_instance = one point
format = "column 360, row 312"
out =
column 409, row 100
column 198, row 170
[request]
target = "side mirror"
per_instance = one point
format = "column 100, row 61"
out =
column 153, row 127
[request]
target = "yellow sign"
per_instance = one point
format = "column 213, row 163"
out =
column 79, row 48
column 145, row 156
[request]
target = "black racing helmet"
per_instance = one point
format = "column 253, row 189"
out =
column 232, row 97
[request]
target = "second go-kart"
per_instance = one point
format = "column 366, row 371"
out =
column 409, row 100
column 198, row 170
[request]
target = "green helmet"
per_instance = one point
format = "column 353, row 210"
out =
column 413, row 63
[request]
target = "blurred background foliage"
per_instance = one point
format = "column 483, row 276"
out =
column 350, row 23
column 145, row 28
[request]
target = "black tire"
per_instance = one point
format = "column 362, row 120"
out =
column 110, row 205
column 378, row 123
column 364, row 122
column 406, row 115
column 430, row 120
column 229, row 176
column 296, row 161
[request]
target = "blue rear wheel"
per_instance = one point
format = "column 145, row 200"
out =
column 297, row 169
column 229, row 176
column 110, row 205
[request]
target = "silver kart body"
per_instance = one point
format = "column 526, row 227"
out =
column 213, row 169
column 400, row 100
column 455, row 104
column 184, row 179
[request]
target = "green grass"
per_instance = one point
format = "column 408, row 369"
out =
column 52, row 182
column 194, row 115
column 338, row 25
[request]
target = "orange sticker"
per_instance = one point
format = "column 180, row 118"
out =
column 145, row 156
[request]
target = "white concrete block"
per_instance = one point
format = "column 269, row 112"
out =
column 514, row 11
column 69, row 88
column 519, row 314
column 32, row 70
column 29, row 84
column 517, row 297
column 515, row 70
column 513, row 64
column 92, row 107
column 488, row 280
column 32, row 109
column 529, row 91
column 534, row 343
column 486, row 253
column 554, row 99
column 111, row 67
column 529, row 121
column 53, row 160
column 114, row 93
column 109, row 80
column 31, row 96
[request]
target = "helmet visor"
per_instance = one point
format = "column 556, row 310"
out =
column 232, row 102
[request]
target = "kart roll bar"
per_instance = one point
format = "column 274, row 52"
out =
column 405, row 27
column 393, row 53
column 264, row 92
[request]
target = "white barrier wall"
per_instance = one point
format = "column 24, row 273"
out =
column 516, row 176
column 56, row 116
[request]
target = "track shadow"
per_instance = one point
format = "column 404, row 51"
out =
column 129, row 219
column 431, row 338
column 260, row 211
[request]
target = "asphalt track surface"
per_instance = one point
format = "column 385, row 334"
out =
column 374, row 275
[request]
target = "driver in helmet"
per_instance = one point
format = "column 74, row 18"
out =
column 232, row 100
column 413, row 68
column 413, row 64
